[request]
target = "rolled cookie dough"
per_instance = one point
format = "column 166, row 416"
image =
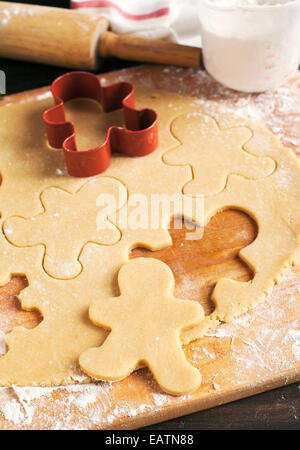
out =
column 48, row 354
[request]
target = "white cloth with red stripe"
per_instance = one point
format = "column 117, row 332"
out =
column 174, row 20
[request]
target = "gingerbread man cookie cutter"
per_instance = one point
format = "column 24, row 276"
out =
column 139, row 137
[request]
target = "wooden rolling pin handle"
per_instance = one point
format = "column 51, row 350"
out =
column 148, row 50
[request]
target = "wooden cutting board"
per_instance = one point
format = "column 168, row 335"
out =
column 258, row 351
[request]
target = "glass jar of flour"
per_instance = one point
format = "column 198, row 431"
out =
column 250, row 45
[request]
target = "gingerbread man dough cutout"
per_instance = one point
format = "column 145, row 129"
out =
column 69, row 221
column 145, row 323
column 201, row 137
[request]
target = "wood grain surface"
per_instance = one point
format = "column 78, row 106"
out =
column 204, row 261
column 236, row 360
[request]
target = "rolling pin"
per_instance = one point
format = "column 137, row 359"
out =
column 63, row 37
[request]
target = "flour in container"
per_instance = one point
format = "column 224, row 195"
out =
column 250, row 45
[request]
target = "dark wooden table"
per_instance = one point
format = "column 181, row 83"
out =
column 278, row 409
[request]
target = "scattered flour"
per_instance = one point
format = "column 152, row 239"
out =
column 2, row 344
column 264, row 346
column 12, row 411
column 161, row 399
column 25, row 406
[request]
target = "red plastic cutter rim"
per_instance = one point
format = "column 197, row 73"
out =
column 139, row 137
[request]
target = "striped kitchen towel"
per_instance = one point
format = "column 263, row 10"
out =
column 174, row 20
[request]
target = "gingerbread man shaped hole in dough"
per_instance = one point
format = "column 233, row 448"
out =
column 145, row 323
column 213, row 153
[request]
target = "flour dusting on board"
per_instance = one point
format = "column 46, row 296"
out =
column 256, row 345
column 266, row 346
column 21, row 405
column 278, row 109
column 263, row 339
column 2, row 344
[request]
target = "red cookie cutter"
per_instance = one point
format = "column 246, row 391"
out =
column 139, row 137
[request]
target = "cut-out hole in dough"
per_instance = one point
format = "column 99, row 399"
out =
column 11, row 312
column 197, row 265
